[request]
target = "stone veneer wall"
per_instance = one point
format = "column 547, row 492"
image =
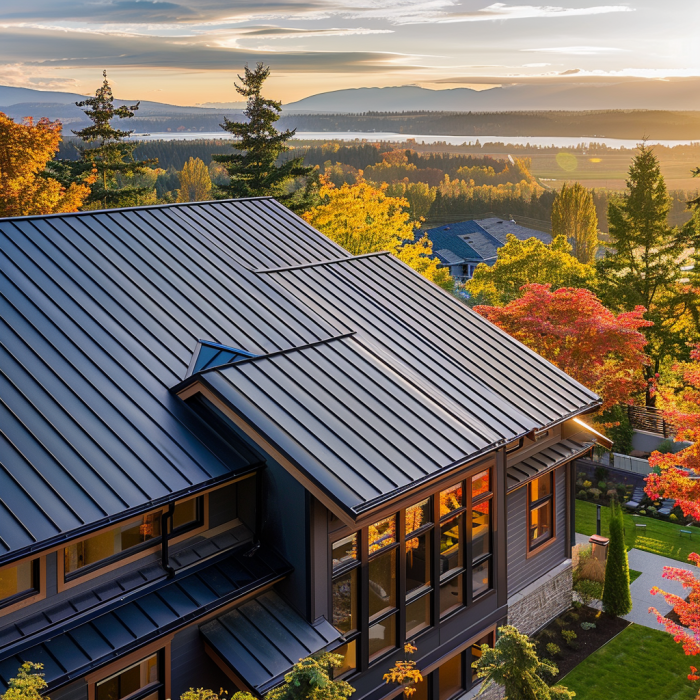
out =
column 532, row 608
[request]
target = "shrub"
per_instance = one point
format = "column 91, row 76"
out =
column 577, row 604
column 652, row 511
column 621, row 490
column 573, row 617
column 587, row 484
column 553, row 649
column 601, row 474
column 611, row 493
column 569, row 637
column 673, row 518
column 582, row 495
column 589, row 590
column 642, row 512
column 665, row 447
column 588, row 626
column 595, row 493
column 602, row 485
column 617, row 600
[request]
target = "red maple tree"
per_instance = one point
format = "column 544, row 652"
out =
column 572, row 329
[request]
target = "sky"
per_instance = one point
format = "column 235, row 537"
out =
column 189, row 51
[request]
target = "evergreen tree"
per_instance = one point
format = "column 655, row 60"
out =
column 617, row 599
column 574, row 216
column 254, row 167
column 312, row 679
column 107, row 151
column 643, row 264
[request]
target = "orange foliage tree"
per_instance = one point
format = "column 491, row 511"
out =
column 25, row 150
column 572, row 329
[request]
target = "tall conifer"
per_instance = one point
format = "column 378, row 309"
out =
column 617, row 599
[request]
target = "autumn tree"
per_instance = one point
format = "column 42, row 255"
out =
column 108, row 151
column 28, row 684
column 572, row 329
column 25, row 150
column 526, row 262
column 643, row 265
column 513, row 664
column 364, row 219
column 574, row 217
column 312, row 679
column 254, row 168
column 195, row 182
column 405, row 672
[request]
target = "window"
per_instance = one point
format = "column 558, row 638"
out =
column 541, row 510
column 418, row 564
column 345, row 600
column 383, row 586
column 126, row 539
column 481, row 534
column 452, row 549
column 19, row 582
column 141, row 681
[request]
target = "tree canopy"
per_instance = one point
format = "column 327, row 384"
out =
column 25, row 150
column 574, row 217
column 195, row 182
column 364, row 219
column 526, row 262
column 311, row 679
column 572, row 329
column 28, row 684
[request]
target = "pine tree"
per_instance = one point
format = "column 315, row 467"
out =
column 574, row 216
column 617, row 599
column 195, row 182
column 643, row 264
column 106, row 150
column 254, row 168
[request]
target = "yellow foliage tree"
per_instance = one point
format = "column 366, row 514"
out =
column 28, row 684
column 574, row 216
column 364, row 219
column 195, row 182
column 405, row 672
column 25, row 150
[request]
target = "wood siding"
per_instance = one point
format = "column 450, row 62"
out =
column 523, row 570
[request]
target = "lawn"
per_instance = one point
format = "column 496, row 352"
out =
column 659, row 536
column 634, row 575
column 639, row 663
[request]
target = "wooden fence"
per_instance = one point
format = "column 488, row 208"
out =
column 648, row 419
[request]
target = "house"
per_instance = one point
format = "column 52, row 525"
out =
column 226, row 444
column 463, row 245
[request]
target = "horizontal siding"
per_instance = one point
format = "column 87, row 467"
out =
column 523, row 570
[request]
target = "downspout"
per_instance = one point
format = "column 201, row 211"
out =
column 165, row 537
column 258, row 514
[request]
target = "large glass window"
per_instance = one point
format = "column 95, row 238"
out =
column 19, row 581
column 125, row 539
column 345, row 600
column 451, row 677
column 481, row 534
column 541, row 510
column 142, row 681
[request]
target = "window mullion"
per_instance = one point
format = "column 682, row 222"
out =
column 363, row 622
column 401, row 599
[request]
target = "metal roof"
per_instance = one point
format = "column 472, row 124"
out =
column 71, row 653
column 546, row 460
column 448, row 237
column 100, row 313
column 263, row 638
column 500, row 228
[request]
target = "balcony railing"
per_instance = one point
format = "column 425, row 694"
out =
column 649, row 419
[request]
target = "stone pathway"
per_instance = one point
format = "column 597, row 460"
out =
column 651, row 566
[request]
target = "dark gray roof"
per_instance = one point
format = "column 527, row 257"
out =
column 500, row 228
column 99, row 316
column 263, row 638
column 546, row 460
column 78, row 648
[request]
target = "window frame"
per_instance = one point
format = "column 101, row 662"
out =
column 536, row 546
column 431, row 530
column 20, row 600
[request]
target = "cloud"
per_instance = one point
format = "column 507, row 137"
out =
column 20, row 75
column 289, row 32
column 579, row 50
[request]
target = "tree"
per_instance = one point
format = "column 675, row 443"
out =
column 616, row 423
column 195, row 182
column 28, row 684
column 107, row 151
column 311, row 679
column 525, row 262
column 643, row 265
column 513, row 664
column 573, row 330
column 617, row 599
column 204, row 694
column 405, row 672
column 254, row 168
column 574, row 217
column 25, row 149
column 364, row 219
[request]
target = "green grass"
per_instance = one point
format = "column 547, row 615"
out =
column 634, row 575
column 659, row 536
column 639, row 663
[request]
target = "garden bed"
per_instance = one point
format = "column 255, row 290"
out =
column 586, row 642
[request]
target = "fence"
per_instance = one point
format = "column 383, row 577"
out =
column 649, row 419
column 636, row 465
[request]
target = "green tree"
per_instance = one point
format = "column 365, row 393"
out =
column 525, row 262
column 513, row 664
column 574, row 216
column 617, row 599
column 28, row 684
column 643, row 265
column 312, row 679
column 195, row 182
column 108, row 151
column 254, row 167
column 616, row 424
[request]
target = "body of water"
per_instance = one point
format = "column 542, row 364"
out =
column 542, row 141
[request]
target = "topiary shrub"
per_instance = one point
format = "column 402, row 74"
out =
column 617, row 600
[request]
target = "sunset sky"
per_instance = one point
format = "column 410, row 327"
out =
column 188, row 51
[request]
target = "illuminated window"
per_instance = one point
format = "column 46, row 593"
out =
column 19, row 581
column 345, row 600
column 142, row 681
column 541, row 510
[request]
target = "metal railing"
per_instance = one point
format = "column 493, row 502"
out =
column 649, row 419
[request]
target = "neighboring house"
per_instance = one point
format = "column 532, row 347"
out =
column 226, row 445
column 462, row 246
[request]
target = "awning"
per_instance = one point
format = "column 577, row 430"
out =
column 551, row 457
column 262, row 639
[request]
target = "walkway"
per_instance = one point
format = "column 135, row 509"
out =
column 651, row 566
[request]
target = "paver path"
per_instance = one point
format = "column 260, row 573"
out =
column 651, row 566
